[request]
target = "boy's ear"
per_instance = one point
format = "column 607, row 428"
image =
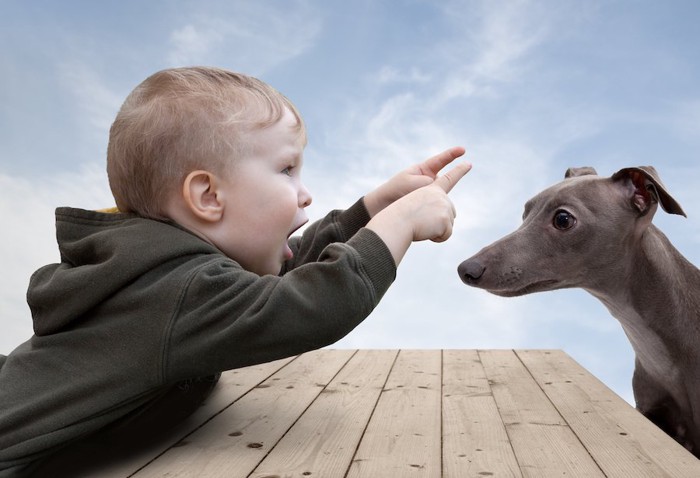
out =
column 201, row 194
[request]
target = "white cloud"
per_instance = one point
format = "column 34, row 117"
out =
column 193, row 42
column 255, row 36
column 389, row 74
column 497, row 38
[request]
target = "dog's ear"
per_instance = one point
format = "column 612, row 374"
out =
column 648, row 189
column 573, row 172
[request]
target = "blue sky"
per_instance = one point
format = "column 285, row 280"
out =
column 528, row 87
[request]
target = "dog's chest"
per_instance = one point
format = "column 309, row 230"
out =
column 651, row 352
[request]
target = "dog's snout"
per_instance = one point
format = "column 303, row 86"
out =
column 470, row 271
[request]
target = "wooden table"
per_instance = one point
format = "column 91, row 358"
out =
column 423, row 413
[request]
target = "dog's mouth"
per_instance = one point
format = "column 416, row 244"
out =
column 539, row 286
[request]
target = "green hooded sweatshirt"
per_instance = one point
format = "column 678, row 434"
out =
column 136, row 305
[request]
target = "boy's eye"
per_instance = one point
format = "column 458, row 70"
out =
column 287, row 171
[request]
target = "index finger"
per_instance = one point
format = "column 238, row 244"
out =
column 448, row 180
column 435, row 163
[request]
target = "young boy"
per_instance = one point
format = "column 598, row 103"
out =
column 197, row 273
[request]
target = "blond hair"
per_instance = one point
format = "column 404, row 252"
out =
column 180, row 120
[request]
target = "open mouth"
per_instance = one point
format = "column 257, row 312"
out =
column 295, row 229
column 288, row 253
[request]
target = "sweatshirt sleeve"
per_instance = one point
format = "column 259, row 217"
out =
column 229, row 318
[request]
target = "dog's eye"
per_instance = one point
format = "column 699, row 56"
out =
column 563, row 220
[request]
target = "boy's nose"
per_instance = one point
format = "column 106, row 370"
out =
column 304, row 197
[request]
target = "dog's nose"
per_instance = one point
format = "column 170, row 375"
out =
column 470, row 271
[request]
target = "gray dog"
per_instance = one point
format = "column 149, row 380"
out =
column 595, row 233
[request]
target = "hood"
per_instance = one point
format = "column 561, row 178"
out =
column 100, row 254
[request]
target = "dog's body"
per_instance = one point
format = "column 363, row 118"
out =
column 596, row 233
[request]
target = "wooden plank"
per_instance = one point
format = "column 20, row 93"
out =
column 475, row 442
column 404, row 434
column 543, row 443
column 622, row 441
column 234, row 442
column 323, row 442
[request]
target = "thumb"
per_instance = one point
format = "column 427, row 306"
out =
column 448, row 180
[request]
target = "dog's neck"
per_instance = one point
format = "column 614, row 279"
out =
column 653, row 295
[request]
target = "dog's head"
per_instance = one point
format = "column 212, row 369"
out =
column 571, row 232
